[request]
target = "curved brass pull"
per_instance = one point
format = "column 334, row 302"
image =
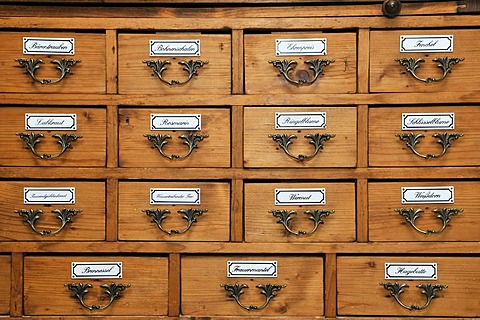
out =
column 32, row 139
column 64, row 215
column 32, row 65
column 189, row 66
column 444, row 214
column 112, row 290
column 445, row 64
column 160, row 140
column 268, row 290
column 159, row 215
column 316, row 139
column 444, row 139
column 428, row 290
column 284, row 217
column 316, row 65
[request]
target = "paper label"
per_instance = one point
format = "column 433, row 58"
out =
column 96, row 270
column 426, row 43
column 174, row 196
column 50, row 121
column 57, row 46
column 285, row 197
column 300, row 120
column 428, row 121
column 174, row 48
column 301, row 47
column 411, row 271
column 252, row 269
column 34, row 195
column 175, row 122
column 428, row 194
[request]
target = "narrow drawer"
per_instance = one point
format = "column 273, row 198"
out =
column 52, row 211
column 5, row 284
column 361, row 285
column 300, row 212
column 300, row 137
column 47, row 137
column 208, row 288
column 143, row 283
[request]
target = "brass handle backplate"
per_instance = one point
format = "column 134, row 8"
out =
column 444, row 214
column 32, row 139
column 112, row 290
column 284, row 218
column 444, row 139
column 64, row 215
column 268, row 290
column 316, row 65
column 32, row 65
column 160, row 140
column 316, row 140
column 159, row 215
column 429, row 290
column 445, row 64
column 189, row 66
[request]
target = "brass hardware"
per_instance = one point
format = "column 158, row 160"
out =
column 444, row 214
column 33, row 139
column 316, row 65
column 268, row 290
column 444, row 139
column 443, row 63
column 64, row 215
column 428, row 290
column 317, row 140
column 159, row 215
column 111, row 290
column 189, row 66
column 32, row 65
column 160, row 140
column 316, row 216
column 391, row 8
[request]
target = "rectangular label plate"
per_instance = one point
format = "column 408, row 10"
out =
column 428, row 121
column 285, row 197
column 174, row 48
column 57, row 46
column 96, row 270
column 428, row 194
column 301, row 47
column 426, row 43
column 159, row 121
column 411, row 271
column 50, row 121
column 252, row 269
column 34, row 195
column 174, row 196
column 300, row 120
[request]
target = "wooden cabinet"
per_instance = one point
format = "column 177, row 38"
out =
column 5, row 281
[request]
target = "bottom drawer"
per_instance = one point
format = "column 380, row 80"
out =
column 5, row 284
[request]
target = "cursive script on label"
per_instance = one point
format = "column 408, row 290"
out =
column 297, row 196
column 168, row 48
column 49, row 122
column 300, row 48
column 423, row 121
column 250, row 270
column 409, row 271
column 426, row 195
column 90, row 270
column 306, row 120
column 48, row 195
column 426, row 44
column 40, row 46
column 173, row 196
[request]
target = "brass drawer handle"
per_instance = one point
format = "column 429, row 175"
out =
column 444, row 139
column 160, row 140
column 112, row 290
column 444, row 214
column 316, row 65
column 32, row 65
column 284, row 218
column 65, row 140
column 64, row 215
column 268, row 290
column 429, row 290
column 316, row 139
column 189, row 66
column 159, row 215
column 445, row 64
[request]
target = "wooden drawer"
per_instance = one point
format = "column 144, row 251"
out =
column 87, row 143
column 387, row 211
column 210, row 150
column 145, row 280
column 393, row 129
column 191, row 198
column 263, row 77
column 203, row 294
column 5, row 284
column 360, row 291
column 334, row 145
column 84, row 76
column 83, row 220
column 333, row 221
column 389, row 75
column 136, row 76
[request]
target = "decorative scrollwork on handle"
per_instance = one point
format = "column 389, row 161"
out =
column 32, row 139
column 444, row 214
column 444, row 139
column 190, row 66
column 268, row 290
column 160, row 140
column 112, row 290
column 32, row 65
column 444, row 64
column 316, row 139
column 316, row 65
column 429, row 290
column 159, row 215
column 64, row 215
column 284, row 218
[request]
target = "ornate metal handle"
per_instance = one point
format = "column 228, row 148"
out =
column 444, row 139
column 112, row 290
column 429, row 290
column 445, row 64
column 284, row 218
column 189, row 66
column 32, row 65
column 64, row 215
column 316, row 139
column 316, row 65
column 32, row 139
column 159, row 215
column 160, row 140
column 268, row 291
column 444, row 214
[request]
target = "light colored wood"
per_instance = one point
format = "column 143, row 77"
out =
column 238, row 85
column 112, row 136
column 236, row 213
column 362, row 210
column 237, row 137
column 330, row 285
column 362, row 136
column 5, row 284
column 111, row 224
column 174, row 277
column 111, row 61
column 363, row 60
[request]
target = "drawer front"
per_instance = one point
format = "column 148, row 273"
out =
column 50, row 276
column 361, row 292
column 20, row 127
column 299, row 282
column 135, row 75
column 208, row 147
column 264, row 77
column 83, row 220
column 333, row 221
column 434, row 221
column 86, row 71
column 5, row 284
column 300, row 137
column 181, row 211
column 389, row 75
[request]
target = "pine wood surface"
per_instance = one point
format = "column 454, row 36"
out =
column 5, row 283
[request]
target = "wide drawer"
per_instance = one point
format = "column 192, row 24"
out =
column 210, row 286
column 178, row 137
column 52, row 211
column 300, row 137
column 35, row 136
column 5, row 284
column 367, row 286
column 141, row 290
